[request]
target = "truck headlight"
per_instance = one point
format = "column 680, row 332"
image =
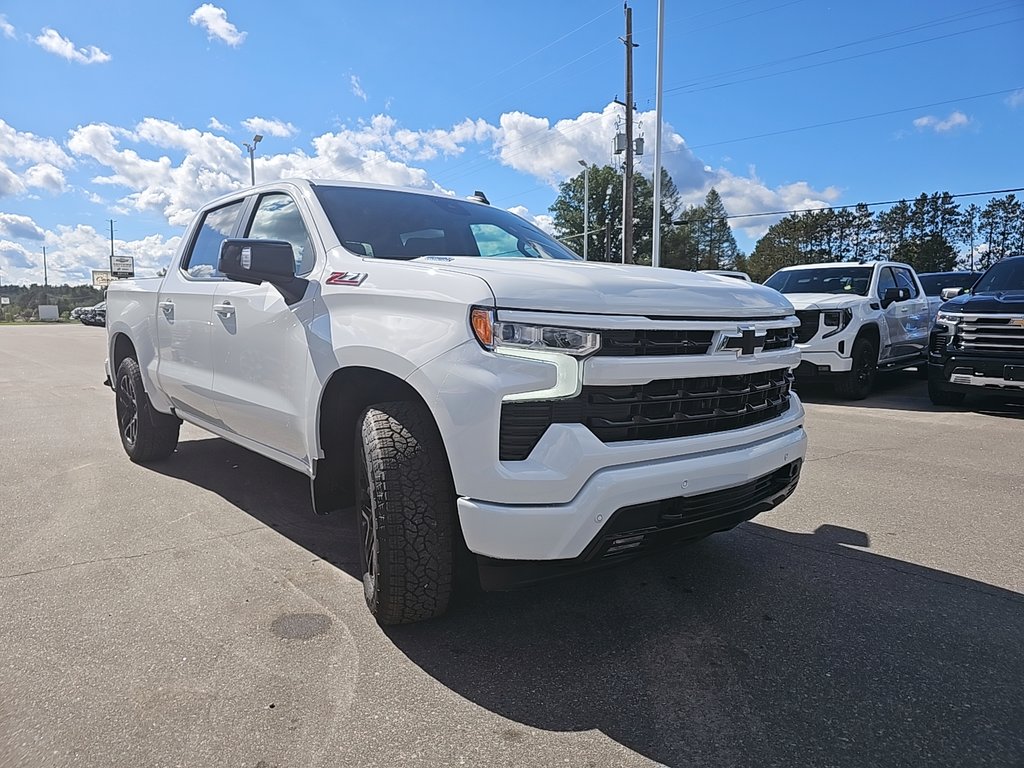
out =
column 837, row 319
column 949, row 318
column 496, row 335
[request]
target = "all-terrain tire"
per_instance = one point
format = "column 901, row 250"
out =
column 857, row 383
column 146, row 434
column 405, row 509
column 940, row 396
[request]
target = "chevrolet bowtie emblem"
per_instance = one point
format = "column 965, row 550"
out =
column 746, row 341
column 1018, row 321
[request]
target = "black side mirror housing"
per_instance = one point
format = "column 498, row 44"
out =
column 893, row 295
column 262, row 261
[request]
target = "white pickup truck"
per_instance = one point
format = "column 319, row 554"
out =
column 855, row 319
column 493, row 408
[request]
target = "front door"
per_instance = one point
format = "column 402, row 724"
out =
column 260, row 342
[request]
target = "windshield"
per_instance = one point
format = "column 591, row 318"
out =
column 934, row 283
column 389, row 224
column 1003, row 276
column 837, row 280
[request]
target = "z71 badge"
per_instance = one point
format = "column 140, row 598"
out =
column 346, row 278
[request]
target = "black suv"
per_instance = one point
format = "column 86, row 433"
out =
column 977, row 344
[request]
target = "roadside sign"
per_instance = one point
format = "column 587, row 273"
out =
column 101, row 278
column 122, row 266
column 5, row 300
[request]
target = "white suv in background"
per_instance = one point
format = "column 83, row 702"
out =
column 855, row 319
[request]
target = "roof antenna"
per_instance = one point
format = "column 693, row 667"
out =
column 480, row 197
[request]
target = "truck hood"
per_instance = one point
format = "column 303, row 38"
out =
column 1004, row 302
column 825, row 300
column 615, row 289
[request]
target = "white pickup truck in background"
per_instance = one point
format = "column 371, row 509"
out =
column 856, row 319
column 491, row 406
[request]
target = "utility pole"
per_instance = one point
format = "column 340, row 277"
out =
column 586, row 206
column 46, row 282
column 627, row 176
column 656, row 234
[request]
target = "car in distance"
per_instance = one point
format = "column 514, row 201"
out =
column 726, row 273
column 856, row 319
column 977, row 345
column 492, row 407
column 95, row 315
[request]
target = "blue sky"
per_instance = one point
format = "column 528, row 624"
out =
column 136, row 111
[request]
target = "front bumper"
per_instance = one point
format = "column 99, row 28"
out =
column 565, row 531
column 821, row 363
column 975, row 373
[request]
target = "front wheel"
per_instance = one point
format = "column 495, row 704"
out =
column 857, row 383
column 146, row 434
column 406, row 513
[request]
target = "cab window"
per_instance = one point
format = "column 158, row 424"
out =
column 218, row 224
column 277, row 218
column 905, row 280
column 885, row 281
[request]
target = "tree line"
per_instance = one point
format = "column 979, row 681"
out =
column 932, row 232
column 26, row 299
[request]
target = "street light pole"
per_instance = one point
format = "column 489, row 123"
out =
column 252, row 156
column 586, row 206
column 656, row 235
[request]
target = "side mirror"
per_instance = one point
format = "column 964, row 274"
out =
column 951, row 293
column 893, row 295
column 258, row 261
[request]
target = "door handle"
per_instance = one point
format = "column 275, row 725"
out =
column 224, row 310
column 167, row 307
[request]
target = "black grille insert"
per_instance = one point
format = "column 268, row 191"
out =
column 636, row 343
column 808, row 324
column 658, row 410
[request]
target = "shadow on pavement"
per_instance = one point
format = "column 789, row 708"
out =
column 756, row 647
column 905, row 390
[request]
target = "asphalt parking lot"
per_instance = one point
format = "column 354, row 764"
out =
column 196, row 612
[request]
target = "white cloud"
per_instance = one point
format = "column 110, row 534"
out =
column 15, row 257
column 1015, row 99
column 955, row 120
column 19, row 227
column 542, row 221
column 51, row 40
column 215, row 21
column 46, row 176
column 6, row 27
column 27, row 147
column 267, row 127
column 357, row 89
column 217, row 125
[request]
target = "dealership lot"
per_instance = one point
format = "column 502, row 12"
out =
column 197, row 613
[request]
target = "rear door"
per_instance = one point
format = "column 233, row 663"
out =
column 185, row 314
column 260, row 342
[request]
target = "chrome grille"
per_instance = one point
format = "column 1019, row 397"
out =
column 992, row 333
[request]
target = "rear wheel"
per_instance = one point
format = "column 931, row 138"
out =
column 406, row 513
column 857, row 383
column 146, row 434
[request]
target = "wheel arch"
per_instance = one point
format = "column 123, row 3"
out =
column 347, row 393
column 871, row 332
column 121, row 346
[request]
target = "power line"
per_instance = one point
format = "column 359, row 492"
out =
column 844, row 120
column 962, row 16
column 858, row 205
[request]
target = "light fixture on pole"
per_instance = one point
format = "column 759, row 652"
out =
column 252, row 156
column 586, row 205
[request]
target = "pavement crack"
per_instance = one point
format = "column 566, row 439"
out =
column 135, row 556
column 846, row 453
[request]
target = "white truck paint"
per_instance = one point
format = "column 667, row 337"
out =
column 855, row 319
column 290, row 372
